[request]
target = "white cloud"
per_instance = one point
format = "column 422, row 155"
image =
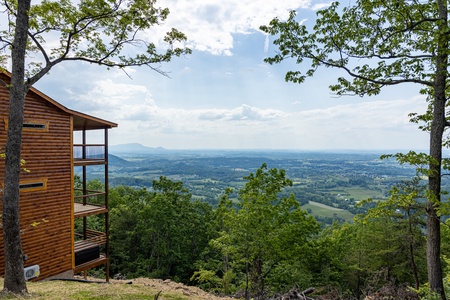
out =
column 211, row 24
column 368, row 115
column 107, row 95
column 365, row 125
column 320, row 6
column 242, row 113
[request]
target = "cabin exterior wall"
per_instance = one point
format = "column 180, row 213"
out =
column 46, row 211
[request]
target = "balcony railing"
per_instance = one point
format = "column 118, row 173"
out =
column 93, row 238
column 89, row 154
column 92, row 203
column 89, row 151
column 88, row 250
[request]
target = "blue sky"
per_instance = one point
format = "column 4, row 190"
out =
column 224, row 96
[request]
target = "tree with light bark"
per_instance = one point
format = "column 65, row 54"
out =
column 110, row 33
column 380, row 43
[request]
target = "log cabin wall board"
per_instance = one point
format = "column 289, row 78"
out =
column 46, row 204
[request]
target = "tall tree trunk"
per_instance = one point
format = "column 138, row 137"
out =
column 436, row 133
column 411, row 251
column 434, row 186
column 14, row 275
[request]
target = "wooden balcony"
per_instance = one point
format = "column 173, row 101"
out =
column 84, row 210
column 91, row 264
column 89, row 204
column 87, row 251
column 93, row 238
column 91, row 248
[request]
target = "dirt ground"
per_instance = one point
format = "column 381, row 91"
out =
column 173, row 287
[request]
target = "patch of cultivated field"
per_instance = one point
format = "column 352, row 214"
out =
column 326, row 211
column 360, row 193
column 325, row 206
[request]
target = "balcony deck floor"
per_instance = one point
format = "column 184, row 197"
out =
column 88, row 162
column 91, row 264
column 88, row 210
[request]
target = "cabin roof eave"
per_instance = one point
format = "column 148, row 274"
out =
column 81, row 121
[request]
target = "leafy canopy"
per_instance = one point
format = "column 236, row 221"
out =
column 265, row 234
column 112, row 33
column 392, row 44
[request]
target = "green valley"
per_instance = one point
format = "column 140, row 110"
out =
column 335, row 179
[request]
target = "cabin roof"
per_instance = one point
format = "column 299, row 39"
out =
column 81, row 121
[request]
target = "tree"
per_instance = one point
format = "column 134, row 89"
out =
column 101, row 32
column 379, row 43
column 158, row 234
column 267, row 234
column 405, row 209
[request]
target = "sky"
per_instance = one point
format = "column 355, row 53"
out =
column 223, row 95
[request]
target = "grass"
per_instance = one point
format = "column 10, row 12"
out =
column 362, row 194
column 321, row 210
column 68, row 290
column 359, row 193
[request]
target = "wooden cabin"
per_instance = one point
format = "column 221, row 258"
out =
column 55, row 209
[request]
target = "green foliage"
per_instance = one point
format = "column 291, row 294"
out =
column 407, row 200
column 207, row 279
column 265, row 234
column 421, row 161
column 372, row 41
column 264, row 243
column 402, row 217
column 157, row 234
column 363, row 258
column 383, row 247
column 104, row 32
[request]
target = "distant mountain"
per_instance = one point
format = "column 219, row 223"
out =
column 134, row 148
column 116, row 161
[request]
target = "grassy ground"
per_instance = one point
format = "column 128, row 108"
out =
column 140, row 288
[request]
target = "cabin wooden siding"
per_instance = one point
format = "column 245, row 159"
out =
column 46, row 215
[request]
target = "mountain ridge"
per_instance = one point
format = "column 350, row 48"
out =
column 135, row 148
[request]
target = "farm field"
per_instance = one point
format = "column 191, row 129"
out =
column 324, row 211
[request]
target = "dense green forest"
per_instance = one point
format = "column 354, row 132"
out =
column 257, row 241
